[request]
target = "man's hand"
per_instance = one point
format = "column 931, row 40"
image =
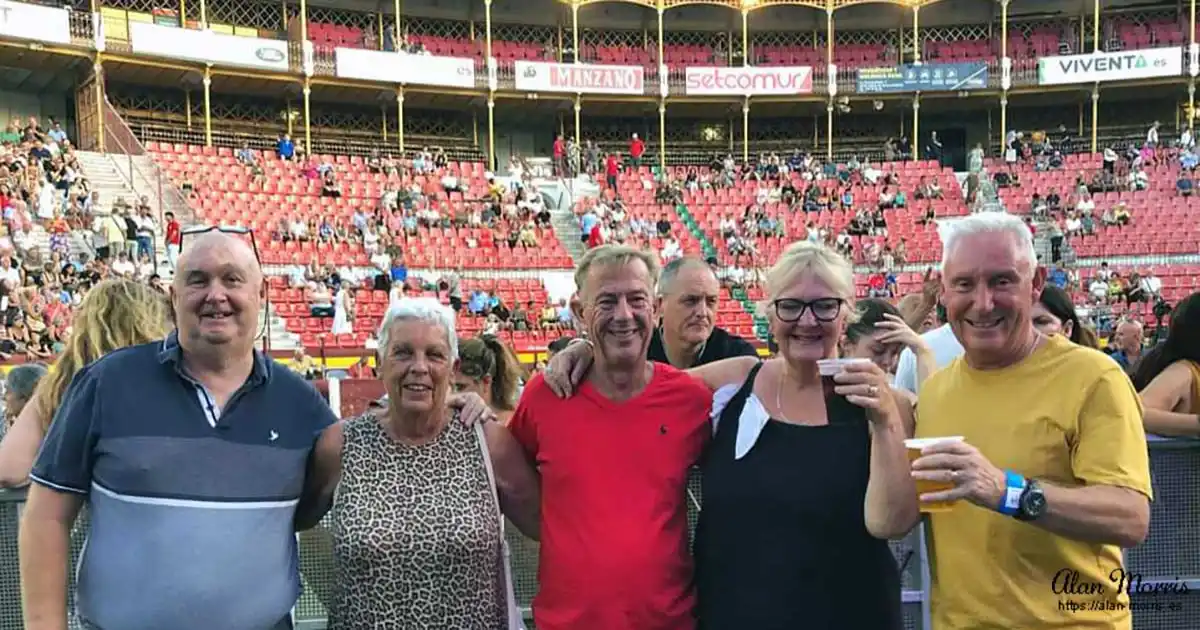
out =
column 974, row 477
column 568, row 368
column 472, row 408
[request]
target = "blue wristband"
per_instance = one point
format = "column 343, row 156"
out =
column 1014, row 487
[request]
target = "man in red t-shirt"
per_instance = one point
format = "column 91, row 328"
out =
column 612, row 168
column 614, row 462
column 636, row 149
column 173, row 238
column 560, row 156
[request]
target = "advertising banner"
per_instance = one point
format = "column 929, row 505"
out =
column 749, row 81
column 537, row 76
column 391, row 67
column 208, row 47
column 30, row 21
column 1114, row 66
column 929, row 77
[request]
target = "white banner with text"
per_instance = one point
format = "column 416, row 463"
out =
column 1114, row 66
column 749, row 81
column 537, row 76
column 30, row 21
column 209, row 47
column 390, row 67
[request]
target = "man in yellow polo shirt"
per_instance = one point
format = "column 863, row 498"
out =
column 1053, row 477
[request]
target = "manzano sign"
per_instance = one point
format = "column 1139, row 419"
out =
column 1114, row 66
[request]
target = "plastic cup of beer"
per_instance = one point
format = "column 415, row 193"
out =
column 830, row 368
column 915, row 446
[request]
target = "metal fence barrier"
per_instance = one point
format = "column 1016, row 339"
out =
column 1171, row 553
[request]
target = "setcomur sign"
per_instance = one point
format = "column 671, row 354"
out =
column 749, row 81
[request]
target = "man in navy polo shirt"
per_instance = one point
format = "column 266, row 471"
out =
column 190, row 454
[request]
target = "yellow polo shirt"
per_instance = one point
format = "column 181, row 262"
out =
column 1069, row 416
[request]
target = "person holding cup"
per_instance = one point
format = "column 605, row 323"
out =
column 1049, row 466
column 806, row 476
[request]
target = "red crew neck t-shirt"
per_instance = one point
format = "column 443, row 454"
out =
column 614, row 549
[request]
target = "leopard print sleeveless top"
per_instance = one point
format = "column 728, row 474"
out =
column 416, row 536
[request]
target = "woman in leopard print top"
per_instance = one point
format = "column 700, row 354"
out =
column 417, row 536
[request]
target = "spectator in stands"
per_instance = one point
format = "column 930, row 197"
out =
column 880, row 334
column 688, row 300
column 1078, row 518
column 1054, row 314
column 612, row 169
column 19, row 386
column 330, row 186
column 1184, row 184
column 113, row 315
column 488, row 367
column 1125, row 346
column 637, row 147
column 304, row 365
column 560, row 156
column 1168, row 376
column 246, row 156
column 471, row 474
column 285, row 148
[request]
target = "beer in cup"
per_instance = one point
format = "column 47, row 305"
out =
column 915, row 446
column 830, row 368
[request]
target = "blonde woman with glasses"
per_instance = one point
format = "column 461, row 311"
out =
column 805, row 479
column 114, row 314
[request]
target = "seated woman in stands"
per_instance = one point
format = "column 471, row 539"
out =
column 330, row 186
column 1168, row 375
column 114, row 314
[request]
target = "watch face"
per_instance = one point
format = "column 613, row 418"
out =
column 1035, row 504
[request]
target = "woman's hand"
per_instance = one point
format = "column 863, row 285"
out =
column 472, row 408
column 894, row 329
column 866, row 385
column 568, row 368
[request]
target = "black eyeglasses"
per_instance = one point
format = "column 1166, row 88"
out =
column 197, row 230
column 790, row 310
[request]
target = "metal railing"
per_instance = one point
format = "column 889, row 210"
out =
column 121, row 141
column 1170, row 554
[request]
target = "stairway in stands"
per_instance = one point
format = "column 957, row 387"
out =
column 111, row 179
column 708, row 249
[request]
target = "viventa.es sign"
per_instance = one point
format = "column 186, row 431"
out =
column 1114, row 66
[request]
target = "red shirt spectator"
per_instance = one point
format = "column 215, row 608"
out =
column 595, row 236
column 612, row 166
column 560, row 147
column 636, row 147
column 614, row 549
column 174, row 235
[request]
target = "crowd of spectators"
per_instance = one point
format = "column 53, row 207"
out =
column 42, row 281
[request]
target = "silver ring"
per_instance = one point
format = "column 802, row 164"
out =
column 872, row 391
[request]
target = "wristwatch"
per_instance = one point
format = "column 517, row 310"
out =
column 1032, row 504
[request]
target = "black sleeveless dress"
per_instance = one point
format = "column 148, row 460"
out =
column 781, row 543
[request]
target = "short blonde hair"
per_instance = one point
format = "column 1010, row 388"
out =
column 615, row 255
column 807, row 257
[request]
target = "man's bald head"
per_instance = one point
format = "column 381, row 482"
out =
column 217, row 295
column 220, row 246
column 1129, row 335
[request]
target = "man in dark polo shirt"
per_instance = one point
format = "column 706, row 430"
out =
column 190, row 454
column 688, row 296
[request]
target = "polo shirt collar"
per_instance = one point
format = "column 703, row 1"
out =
column 171, row 352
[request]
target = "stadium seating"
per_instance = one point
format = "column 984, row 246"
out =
column 227, row 194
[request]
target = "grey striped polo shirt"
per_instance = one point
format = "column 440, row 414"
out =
column 191, row 506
